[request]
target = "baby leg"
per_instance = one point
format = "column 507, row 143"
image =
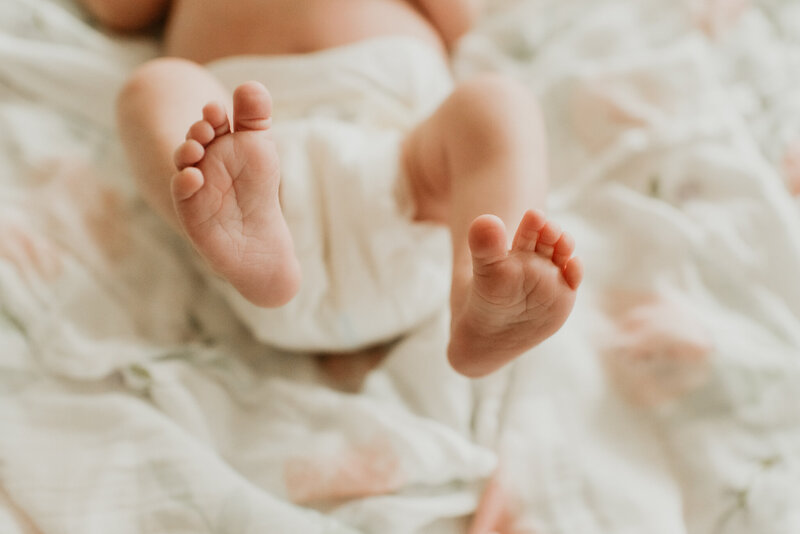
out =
column 124, row 15
column 220, row 187
column 478, row 164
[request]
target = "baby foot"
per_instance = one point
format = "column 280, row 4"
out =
column 517, row 298
column 226, row 196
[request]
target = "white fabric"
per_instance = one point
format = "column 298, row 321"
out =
column 132, row 399
column 369, row 273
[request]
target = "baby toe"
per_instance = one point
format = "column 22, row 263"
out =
column 252, row 107
column 548, row 237
column 214, row 113
column 528, row 231
column 573, row 272
column 188, row 153
column 186, row 183
column 202, row 132
column 487, row 240
column 563, row 250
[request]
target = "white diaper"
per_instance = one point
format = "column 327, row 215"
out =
column 369, row 272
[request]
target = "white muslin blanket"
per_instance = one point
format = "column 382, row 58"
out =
column 134, row 399
column 339, row 119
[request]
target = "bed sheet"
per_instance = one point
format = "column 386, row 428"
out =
column 131, row 400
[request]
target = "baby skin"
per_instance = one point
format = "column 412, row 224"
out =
column 477, row 165
column 226, row 197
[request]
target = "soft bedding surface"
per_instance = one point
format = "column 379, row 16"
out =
column 132, row 400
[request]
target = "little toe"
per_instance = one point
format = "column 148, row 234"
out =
column 548, row 237
column 563, row 250
column 188, row 153
column 487, row 240
column 573, row 272
column 202, row 132
column 186, row 183
column 252, row 107
column 528, row 230
column 214, row 113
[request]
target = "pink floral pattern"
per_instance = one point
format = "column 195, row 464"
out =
column 32, row 254
column 657, row 350
column 75, row 205
column 371, row 468
column 791, row 167
column 715, row 17
column 495, row 511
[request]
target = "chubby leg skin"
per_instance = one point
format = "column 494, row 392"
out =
column 478, row 164
column 220, row 187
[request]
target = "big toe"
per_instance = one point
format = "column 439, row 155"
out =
column 252, row 107
column 487, row 240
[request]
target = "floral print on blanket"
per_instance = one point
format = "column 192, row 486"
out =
column 715, row 17
column 75, row 204
column 66, row 214
column 117, row 294
column 791, row 167
column 494, row 512
column 369, row 468
column 657, row 350
column 31, row 253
